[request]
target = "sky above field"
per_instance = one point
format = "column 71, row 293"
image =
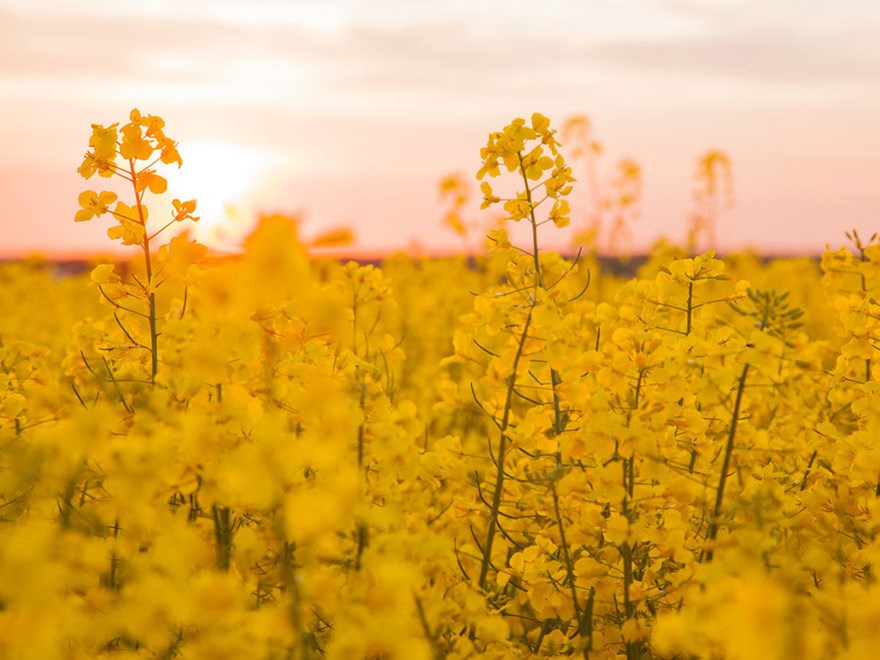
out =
column 349, row 112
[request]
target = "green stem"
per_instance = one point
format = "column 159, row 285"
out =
column 148, row 263
column 361, row 531
column 690, row 307
column 633, row 649
column 628, row 608
column 502, row 453
column 534, row 222
column 583, row 629
column 433, row 637
column 222, row 536
column 725, row 466
column 291, row 583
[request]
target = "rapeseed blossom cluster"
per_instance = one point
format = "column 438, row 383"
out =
column 276, row 456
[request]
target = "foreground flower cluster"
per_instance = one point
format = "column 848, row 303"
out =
column 279, row 457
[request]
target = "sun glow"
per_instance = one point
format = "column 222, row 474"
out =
column 229, row 181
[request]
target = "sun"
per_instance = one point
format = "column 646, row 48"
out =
column 228, row 180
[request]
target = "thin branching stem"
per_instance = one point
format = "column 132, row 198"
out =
column 148, row 264
column 707, row 554
column 501, row 455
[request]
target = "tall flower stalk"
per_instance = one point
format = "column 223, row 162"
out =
column 132, row 152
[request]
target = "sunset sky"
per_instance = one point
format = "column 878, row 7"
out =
column 350, row 112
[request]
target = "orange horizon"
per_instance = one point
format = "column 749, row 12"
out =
column 367, row 254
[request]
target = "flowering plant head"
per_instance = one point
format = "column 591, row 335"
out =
column 533, row 150
column 130, row 152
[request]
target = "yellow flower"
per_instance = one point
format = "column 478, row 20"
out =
column 130, row 229
column 100, row 159
column 169, row 152
column 559, row 214
column 103, row 274
column 498, row 240
column 617, row 529
column 93, row 204
column 184, row 210
column 518, row 208
column 488, row 197
column 12, row 404
column 134, row 145
column 179, row 256
column 559, row 179
column 535, row 163
column 153, row 124
column 540, row 123
column 152, row 181
column 103, row 142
